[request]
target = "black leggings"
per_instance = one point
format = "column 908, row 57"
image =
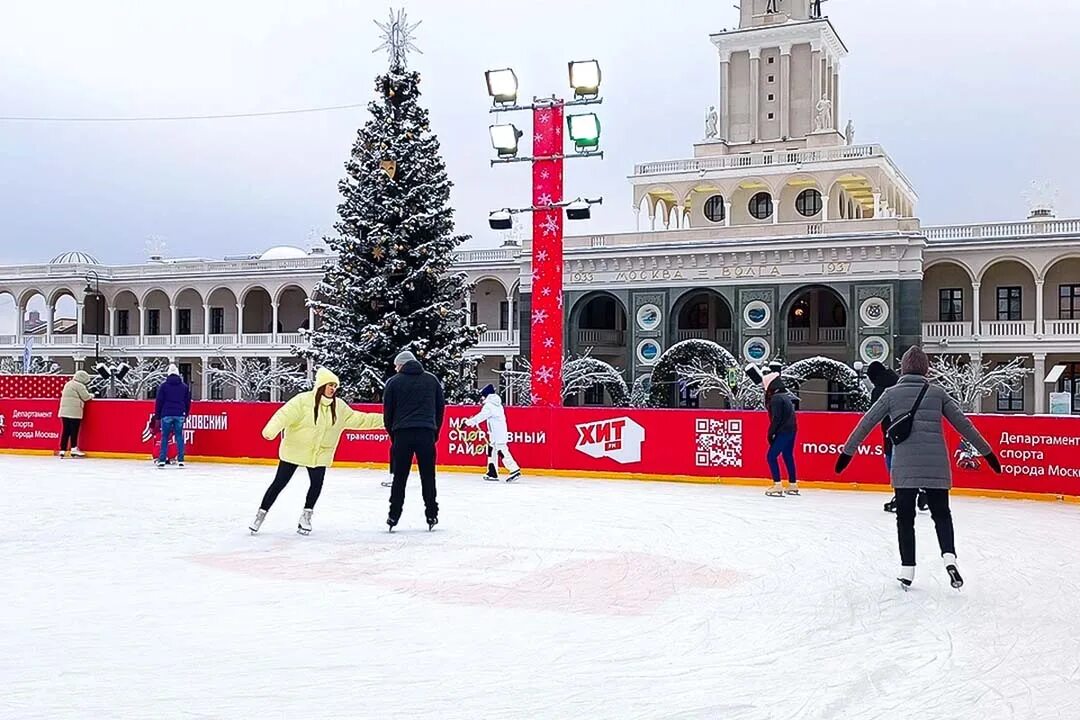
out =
column 285, row 472
column 70, row 433
column 938, row 500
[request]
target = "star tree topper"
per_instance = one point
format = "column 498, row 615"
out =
column 397, row 37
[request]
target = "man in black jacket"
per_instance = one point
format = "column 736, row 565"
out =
column 780, row 404
column 413, row 408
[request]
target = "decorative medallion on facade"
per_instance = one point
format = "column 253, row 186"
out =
column 874, row 348
column 757, row 314
column 874, row 312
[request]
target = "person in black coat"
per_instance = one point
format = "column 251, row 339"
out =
column 882, row 379
column 413, row 409
column 780, row 403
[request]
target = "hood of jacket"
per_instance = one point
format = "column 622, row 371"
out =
column 881, row 376
column 493, row 399
column 413, row 367
column 174, row 380
column 81, row 376
column 325, row 377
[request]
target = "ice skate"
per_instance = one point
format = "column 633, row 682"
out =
column 431, row 523
column 954, row 573
column 391, row 522
column 77, row 453
column 160, row 465
column 303, row 525
column 62, row 455
column 516, row 475
column 906, row 576
column 921, row 502
column 777, row 490
column 387, row 483
column 792, row 489
column 257, row 522
column 180, row 464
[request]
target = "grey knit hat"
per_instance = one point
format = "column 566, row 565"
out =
column 404, row 357
column 915, row 362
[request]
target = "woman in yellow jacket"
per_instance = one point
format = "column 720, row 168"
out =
column 312, row 423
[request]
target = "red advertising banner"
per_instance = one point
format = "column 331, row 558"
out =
column 1039, row 454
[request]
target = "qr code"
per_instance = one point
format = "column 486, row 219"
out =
column 719, row 443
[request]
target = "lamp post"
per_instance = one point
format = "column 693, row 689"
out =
column 98, row 315
column 546, row 339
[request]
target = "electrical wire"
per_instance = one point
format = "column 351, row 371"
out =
column 176, row 118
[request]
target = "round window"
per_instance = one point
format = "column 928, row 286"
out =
column 808, row 203
column 756, row 349
column 761, row 206
column 714, row 209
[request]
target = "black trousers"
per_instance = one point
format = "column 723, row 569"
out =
column 70, row 433
column 407, row 445
column 284, row 474
column 938, row 500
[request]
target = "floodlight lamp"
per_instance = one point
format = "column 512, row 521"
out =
column 122, row 371
column 501, row 220
column 578, row 210
column 502, row 86
column 585, row 78
column 584, row 131
column 504, row 138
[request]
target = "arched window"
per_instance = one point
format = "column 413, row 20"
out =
column 808, row 203
column 761, row 206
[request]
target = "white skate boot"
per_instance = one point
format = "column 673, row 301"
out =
column 76, row 452
column 777, row 490
column 906, row 576
column 303, row 526
column 257, row 522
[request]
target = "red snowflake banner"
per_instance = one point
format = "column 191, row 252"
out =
column 546, row 346
column 32, row 386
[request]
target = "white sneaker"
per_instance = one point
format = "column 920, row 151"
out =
column 76, row 452
column 303, row 526
column 257, row 522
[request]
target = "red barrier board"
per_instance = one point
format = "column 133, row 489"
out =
column 1039, row 454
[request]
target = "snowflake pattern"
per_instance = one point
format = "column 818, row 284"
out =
column 539, row 317
column 544, row 200
column 549, row 342
column 560, row 302
column 550, row 226
column 545, row 374
column 544, row 175
column 538, row 137
column 542, row 256
column 545, row 291
column 544, row 117
column 534, row 399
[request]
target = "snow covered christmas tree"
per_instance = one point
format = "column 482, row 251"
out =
column 391, row 288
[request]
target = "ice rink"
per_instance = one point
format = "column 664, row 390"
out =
column 131, row 592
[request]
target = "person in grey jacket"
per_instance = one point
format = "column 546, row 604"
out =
column 922, row 460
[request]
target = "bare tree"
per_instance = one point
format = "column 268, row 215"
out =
column 703, row 377
column 578, row 375
column 252, row 378
column 969, row 382
column 38, row 366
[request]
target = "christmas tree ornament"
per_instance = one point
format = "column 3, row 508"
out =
column 378, row 252
column 389, row 167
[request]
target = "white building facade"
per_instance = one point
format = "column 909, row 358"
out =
column 779, row 236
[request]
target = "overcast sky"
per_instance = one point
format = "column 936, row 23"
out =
column 973, row 99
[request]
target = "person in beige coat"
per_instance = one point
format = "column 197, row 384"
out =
column 73, row 401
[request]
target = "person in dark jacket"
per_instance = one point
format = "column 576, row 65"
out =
column 171, row 409
column 780, row 404
column 413, row 408
column 922, row 460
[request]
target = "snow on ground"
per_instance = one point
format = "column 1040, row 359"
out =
column 136, row 593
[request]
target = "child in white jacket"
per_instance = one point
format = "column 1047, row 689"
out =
column 498, row 437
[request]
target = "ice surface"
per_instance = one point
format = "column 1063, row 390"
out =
column 131, row 592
